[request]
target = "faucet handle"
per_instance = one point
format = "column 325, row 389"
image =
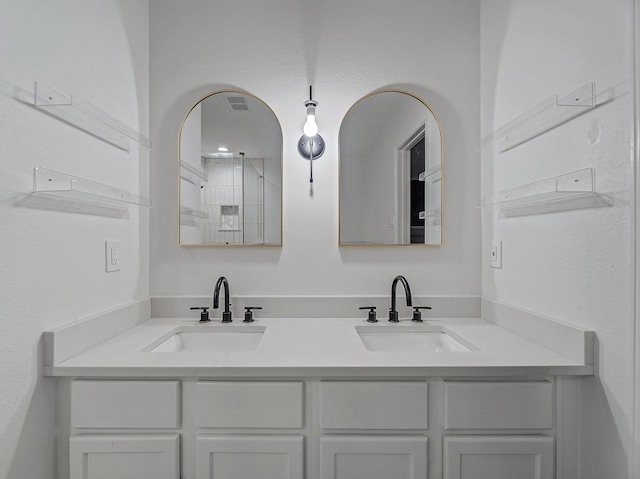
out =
column 226, row 316
column 204, row 313
column 372, row 314
column 417, row 314
column 248, row 313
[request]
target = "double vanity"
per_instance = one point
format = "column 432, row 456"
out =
column 326, row 397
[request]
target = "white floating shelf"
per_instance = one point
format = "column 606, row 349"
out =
column 192, row 169
column 559, row 188
column 87, row 117
column 185, row 210
column 188, row 179
column 54, row 183
column 425, row 174
column 547, row 115
column 429, row 214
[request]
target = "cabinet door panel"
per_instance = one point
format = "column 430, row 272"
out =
column 498, row 457
column 373, row 457
column 243, row 404
column 254, row 457
column 498, row 405
column 103, row 456
column 125, row 404
column 374, row 405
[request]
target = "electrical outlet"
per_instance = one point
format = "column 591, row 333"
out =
column 113, row 256
column 495, row 258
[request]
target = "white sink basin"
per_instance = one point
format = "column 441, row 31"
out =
column 385, row 338
column 209, row 338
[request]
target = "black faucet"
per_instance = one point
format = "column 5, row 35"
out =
column 393, row 314
column 226, row 314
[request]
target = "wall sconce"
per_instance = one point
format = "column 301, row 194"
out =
column 311, row 145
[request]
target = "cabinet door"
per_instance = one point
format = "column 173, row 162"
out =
column 373, row 457
column 374, row 405
column 122, row 456
column 255, row 404
column 498, row 457
column 498, row 405
column 250, row 457
column 125, row 404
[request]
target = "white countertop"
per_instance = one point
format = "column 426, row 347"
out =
column 314, row 347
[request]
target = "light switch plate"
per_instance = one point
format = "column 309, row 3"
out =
column 495, row 257
column 113, row 256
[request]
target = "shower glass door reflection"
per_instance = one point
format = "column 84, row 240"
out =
column 233, row 198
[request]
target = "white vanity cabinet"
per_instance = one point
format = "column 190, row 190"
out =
column 373, row 457
column 498, row 457
column 507, row 405
column 373, row 429
column 250, row 404
column 318, row 428
column 250, row 456
column 249, row 429
column 491, row 409
column 124, row 456
column 389, row 405
column 136, row 409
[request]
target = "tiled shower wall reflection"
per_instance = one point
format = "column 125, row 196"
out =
column 234, row 200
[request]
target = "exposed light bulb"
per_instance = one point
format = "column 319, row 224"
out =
column 310, row 128
column 223, row 148
column 311, row 144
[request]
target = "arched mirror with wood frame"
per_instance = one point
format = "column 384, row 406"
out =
column 390, row 169
column 230, row 172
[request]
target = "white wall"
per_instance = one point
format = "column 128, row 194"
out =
column 52, row 267
column 346, row 50
column 574, row 265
